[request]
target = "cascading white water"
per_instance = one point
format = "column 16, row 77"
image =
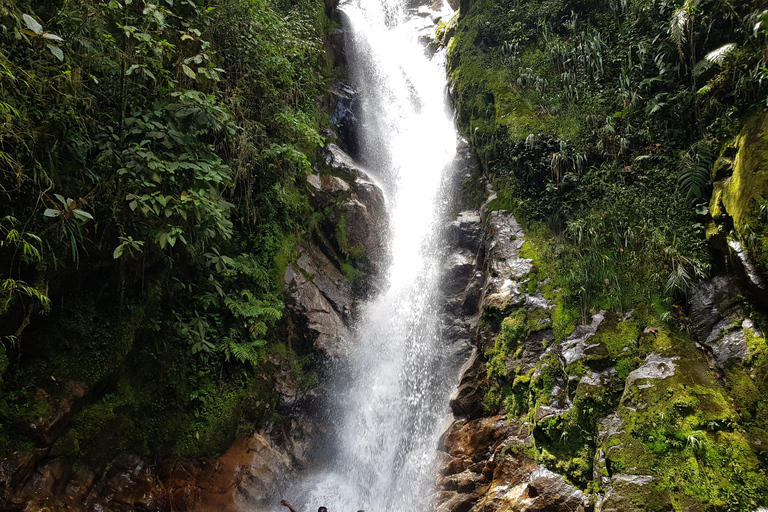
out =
column 393, row 393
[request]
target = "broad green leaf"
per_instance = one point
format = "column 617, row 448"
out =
column 56, row 51
column 82, row 215
column 118, row 251
column 188, row 71
column 53, row 37
column 50, row 212
column 32, row 24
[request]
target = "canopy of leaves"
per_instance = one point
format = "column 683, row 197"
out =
column 156, row 145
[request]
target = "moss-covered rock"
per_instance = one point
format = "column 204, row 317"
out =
column 741, row 190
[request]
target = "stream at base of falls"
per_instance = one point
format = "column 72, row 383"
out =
column 389, row 394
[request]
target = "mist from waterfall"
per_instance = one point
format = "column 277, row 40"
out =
column 391, row 393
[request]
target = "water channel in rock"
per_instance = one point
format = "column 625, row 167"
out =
column 390, row 394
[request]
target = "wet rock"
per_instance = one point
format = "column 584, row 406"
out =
column 505, row 268
column 534, row 345
column 322, row 299
column 80, row 484
column 457, row 503
column 520, row 485
column 559, row 403
column 341, row 163
column 358, row 219
column 256, row 464
column 17, row 467
column 327, row 187
column 457, row 271
column 654, row 367
column 597, row 383
column 633, row 493
column 713, row 301
column 467, row 400
column 468, row 438
column 465, row 232
column 727, row 341
column 575, row 348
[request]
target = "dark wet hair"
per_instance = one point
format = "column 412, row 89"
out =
column 322, row 509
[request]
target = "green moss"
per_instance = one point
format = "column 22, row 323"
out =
column 351, row 251
column 683, row 430
column 538, row 319
column 513, row 329
column 350, row 273
column 565, row 317
column 742, row 195
column 749, row 178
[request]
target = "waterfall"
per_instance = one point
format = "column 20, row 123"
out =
column 392, row 393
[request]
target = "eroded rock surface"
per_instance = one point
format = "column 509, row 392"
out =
column 322, row 300
column 504, row 266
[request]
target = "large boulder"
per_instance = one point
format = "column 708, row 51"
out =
column 321, row 301
column 356, row 226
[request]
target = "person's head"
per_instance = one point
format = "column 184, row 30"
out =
column 322, row 509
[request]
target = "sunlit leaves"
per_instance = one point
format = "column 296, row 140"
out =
column 68, row 210
column 33, row 25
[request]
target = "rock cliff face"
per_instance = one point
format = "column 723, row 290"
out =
column 485, row 465
column 243, row 475
column 621, row 413
column 329, row 275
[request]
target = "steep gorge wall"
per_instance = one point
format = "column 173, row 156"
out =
column 615, row 370
column 101, row 414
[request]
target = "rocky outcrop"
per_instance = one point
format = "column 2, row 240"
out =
column 601, row 405
column 346, row 258
column 740, row 193
column 487, row 469
column 234, row 482
column 486, row 466
column 504, row 268
column 321, row 303
column 357, row 222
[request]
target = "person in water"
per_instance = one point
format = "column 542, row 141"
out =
column 286, row 504
column 321, row 509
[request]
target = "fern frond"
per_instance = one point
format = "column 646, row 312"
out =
column 695, row 171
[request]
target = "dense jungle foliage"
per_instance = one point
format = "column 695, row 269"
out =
column 149, row 158
column 628, row 136
column 603, row 120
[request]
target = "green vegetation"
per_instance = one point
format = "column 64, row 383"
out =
column 603, row 126
column 152, row 163
column 584, row 116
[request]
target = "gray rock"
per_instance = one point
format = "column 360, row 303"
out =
column 712, row 301
column 322, row 299
column 457, row 272
column 575, row 347
column 467, row 400
column 341, row 163
column 472, row 294
column 727, row 341
column 655, row 367
column 465, row 232
column 504, row 266
column 327, row 185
